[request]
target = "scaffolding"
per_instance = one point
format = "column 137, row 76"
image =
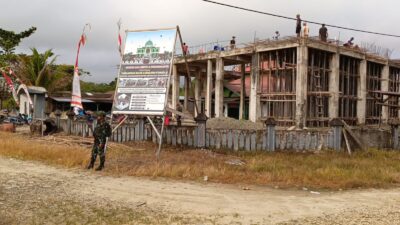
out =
column 394, row 86
column 278, row 85
column 318, row 88
column 374, row 83
column 349, row 73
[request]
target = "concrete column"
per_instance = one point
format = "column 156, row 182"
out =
column 301, row 84
column 219, row 88
column 254, row 98
column 209, row 88
column 362, row 92
column 186, row 100
column 334, row 76
column 385, row 87
column 197, row 93
column 175, row 88
column 242, row 90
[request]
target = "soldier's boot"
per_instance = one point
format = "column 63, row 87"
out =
column 102, row 161
column 92, row 160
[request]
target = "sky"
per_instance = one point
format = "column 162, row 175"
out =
column 60, row 22
column 164, row 39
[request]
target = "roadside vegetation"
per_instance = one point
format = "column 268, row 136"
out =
column 324, row 170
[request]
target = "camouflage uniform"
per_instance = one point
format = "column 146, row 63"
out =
column 101, row 132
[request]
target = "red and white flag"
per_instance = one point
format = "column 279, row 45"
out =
column 11, row 86
column 22, row 86
column 119, row 38
column 76, row 99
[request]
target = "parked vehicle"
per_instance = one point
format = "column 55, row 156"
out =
column 14, row 120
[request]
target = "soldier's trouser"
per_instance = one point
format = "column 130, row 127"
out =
column 97, row 150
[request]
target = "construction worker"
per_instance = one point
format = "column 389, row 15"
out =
column 298, row 25
column 233, row 42
column 100, row 134
column 323, row 33
column 185, row 49
column 276, row 36
column 306, row 30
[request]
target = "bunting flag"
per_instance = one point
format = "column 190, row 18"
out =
column 11, row 86
column 22, row 86
column 76, row 100
column 119, row 38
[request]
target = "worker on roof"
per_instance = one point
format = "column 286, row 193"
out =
column 233, row 42
column 298, row 25
column 306, row 30
column 323, row 33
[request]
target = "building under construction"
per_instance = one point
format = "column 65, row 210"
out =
column 297, row 81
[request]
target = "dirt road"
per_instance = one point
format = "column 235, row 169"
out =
column 33, row 193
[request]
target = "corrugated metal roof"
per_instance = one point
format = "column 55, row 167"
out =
column 36, row 90
column 62, row 99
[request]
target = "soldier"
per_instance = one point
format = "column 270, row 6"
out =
column 101, row 132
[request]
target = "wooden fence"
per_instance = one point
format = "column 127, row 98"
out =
column 192, row 136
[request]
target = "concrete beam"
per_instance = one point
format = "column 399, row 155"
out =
column 385, row 87
column 219, row 88
column 242, row 91
column 362, row 92
column 175, row 88
column 254, row 104
column 334, row 76
column 209, row 88
column 301, row 84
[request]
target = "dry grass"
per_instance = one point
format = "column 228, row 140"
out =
column 330, row 170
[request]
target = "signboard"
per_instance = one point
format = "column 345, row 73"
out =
column 144, row 72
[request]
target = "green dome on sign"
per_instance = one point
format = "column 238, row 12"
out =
column 149, row 43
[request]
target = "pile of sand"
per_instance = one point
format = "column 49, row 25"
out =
column 230, row 123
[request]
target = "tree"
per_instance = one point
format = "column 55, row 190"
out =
column 9, row 40
column 39, row 69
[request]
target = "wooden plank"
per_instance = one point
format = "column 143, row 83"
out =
column 223, row 144
column 241, row 140
column 230, row 139
column 347, row 142
column 248, row 140
column 235, row 136
column 174, row 136
column 218, row 140
column 207, row 139
column 179, row 136
column 253, row 141
column 353, row 135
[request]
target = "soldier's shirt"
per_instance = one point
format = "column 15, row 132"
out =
column 101, row 132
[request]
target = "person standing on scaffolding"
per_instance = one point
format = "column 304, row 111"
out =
column 298, row 25
column 323, row 33
column 100, row 134
column 185, row 49
column 233, row 43
column 306, row 30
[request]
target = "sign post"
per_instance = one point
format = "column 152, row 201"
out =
column 144, row 75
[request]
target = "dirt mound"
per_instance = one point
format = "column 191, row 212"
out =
column 230, row 123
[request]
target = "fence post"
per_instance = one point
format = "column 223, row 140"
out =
column 271, row 124
column 337, row 126
column 394, row 124
column 201, row 120
column 58, row 113
column 70, row 115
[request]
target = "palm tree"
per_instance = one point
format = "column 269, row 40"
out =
column 39, row 69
